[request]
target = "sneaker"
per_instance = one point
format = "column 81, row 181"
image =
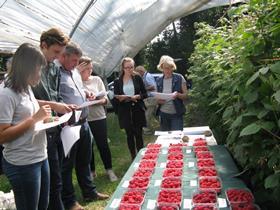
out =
column 76, row 206
column 112, row 176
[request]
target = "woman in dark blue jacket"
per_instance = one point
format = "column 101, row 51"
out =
column 129, row 93
column 171, row 112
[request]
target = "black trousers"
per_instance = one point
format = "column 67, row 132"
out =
column 99, row 132
column 55, row 157
column 134, row 139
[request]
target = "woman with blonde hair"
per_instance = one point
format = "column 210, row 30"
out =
column 171, row 112
column 97, row 116
column 130, row 91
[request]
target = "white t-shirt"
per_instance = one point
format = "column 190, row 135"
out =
column 31, row 147
column 95, row 84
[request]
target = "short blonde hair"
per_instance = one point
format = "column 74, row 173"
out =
column 165, row 59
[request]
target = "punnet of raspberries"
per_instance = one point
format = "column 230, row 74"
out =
column 175, row 164
column 124, row 206
column 175, row 156
column 151, row 156
column 151, row 145
column 172, row 172
column 147, row 164
column 139, row 183
column 152, row 151
column 239, row 196
column 175, row 150
column 204, row 197
column 200, row 143
column 207, row 171
column 205, row 163
column 205, row 207
column 133, row 197
column 204, row 155
column 170, row 197
column 178, row 145
column 167, row 207
column 248, row 206
column 210, row 183
column 143, row 172
column 171, row 183
column 200, row 149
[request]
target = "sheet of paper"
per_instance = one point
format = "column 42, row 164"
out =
column 163, row 96
column 42, row 126
column 77, row 115
column 162, row 133
column 69, row 135
column 151, row 204
column 196, row 130
column 101, row 94
column 88, row 103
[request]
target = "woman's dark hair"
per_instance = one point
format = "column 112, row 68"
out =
column 25, row 62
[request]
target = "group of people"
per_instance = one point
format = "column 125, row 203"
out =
column 54, row 79
column 134, row 103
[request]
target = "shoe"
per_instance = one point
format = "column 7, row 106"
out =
column 97, row 196
column 101, row 196
column 76, row 206
column 112, row 176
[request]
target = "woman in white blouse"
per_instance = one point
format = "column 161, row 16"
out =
column 97, row 116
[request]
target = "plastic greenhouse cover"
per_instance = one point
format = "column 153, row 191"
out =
column 106, row 30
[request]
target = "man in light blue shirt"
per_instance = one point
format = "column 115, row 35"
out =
column 150, row 102
column 72, row 91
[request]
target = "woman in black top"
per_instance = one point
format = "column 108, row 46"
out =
column 129, row 92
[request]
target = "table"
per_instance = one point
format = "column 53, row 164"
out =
column 224, row 165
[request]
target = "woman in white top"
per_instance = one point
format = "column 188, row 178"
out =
column 97, row 116
column 25, row 150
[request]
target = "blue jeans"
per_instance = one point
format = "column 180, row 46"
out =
column 80, row 156
column 171, row 122
column 30, row 184
column 55, row 157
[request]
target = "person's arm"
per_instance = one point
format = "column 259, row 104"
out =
column 118, row 94
column 9, row 132
column 182, row 95
column 57, row 106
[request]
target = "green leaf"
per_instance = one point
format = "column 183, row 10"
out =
column 272, row 181
column 228, row 112
column 251, row 97
column 268, row 125
column 264, row 70
column 252, row 78
column 277, row 96
column 275, row 67
column 250, row 129
column 262, row 113
column 279, row 123
column 236, row 122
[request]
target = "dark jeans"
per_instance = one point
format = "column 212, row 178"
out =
column 55, row 157
column 30, row 184
column 99, row 131
column 80, row 156
column 134, row 138
column 171, row 122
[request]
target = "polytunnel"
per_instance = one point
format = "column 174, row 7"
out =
column 106, row 30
